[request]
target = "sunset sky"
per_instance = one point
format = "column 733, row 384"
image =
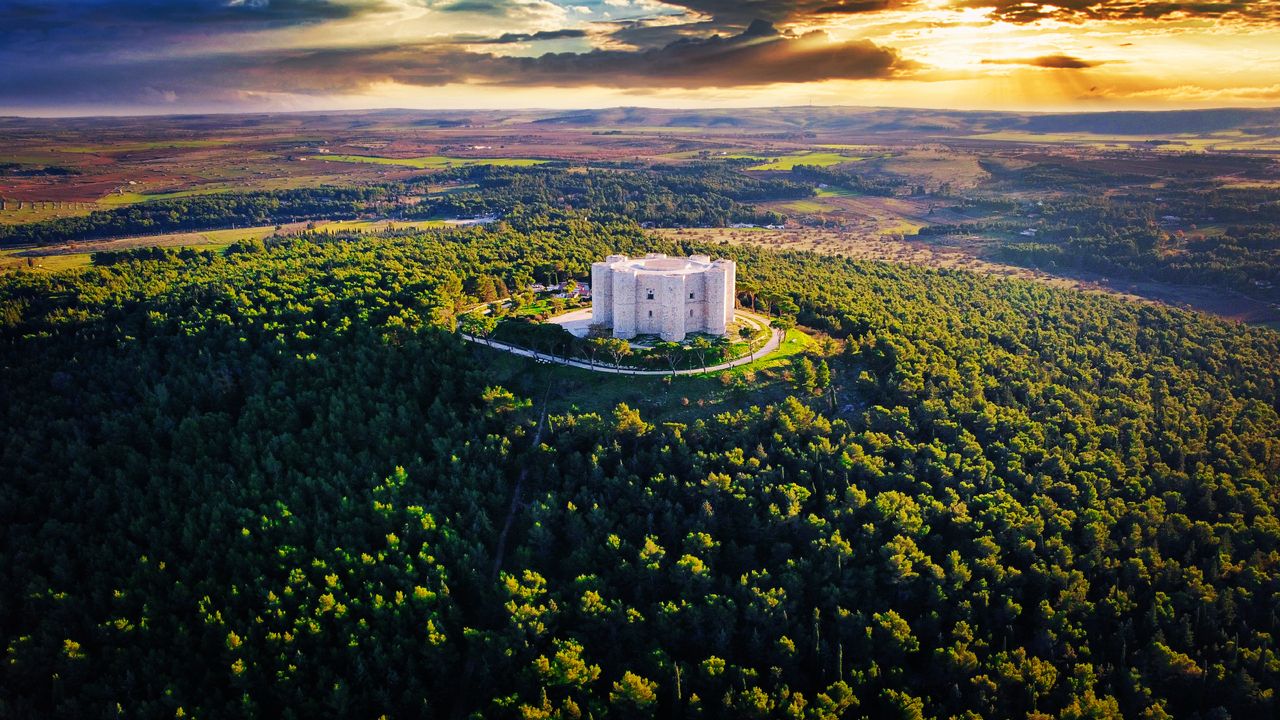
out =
column 112, row 56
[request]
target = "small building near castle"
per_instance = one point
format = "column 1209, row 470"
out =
column 664, row 296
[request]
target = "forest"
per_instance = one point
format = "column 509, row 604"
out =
column 695, row 195
column 200, row 212
column 701, row 195
column 273, row 482
column 1203, row 235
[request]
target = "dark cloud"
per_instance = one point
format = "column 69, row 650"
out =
column 505, row 38
column 647, row 33
column 127, row 26
column 742, row 12
column 758, row 56
column 1057, row 62
column 506, row 9
column 107, row 13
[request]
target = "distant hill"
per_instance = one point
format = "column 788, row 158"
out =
column 802, row 119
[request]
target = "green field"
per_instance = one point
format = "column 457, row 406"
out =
column 378, row 225
column 11, row 260
column 59, row 259
column 803, row 206
column 820, row 159
column 130, row 198
column 835, row 192
column 432, row 162
column 136, row 146
column 14, row 216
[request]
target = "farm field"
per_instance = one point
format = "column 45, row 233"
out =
column 870, row 188
column 868, row 214
column 372, row 226
column 432, row 161
column 61, row 257
column 1161, row 142
column 19, row 258
column 815, row 158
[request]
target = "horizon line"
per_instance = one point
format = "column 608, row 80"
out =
column 371, row 110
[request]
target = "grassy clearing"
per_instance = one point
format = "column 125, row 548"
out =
column 828, row 192
column 62, row 257
column 682, row 399
column 803, row 206
column 935, row 169
column 29, row 215
column 363, row 226
column 820, row 159
column 73, row 255
column 131, row 198
column 12, row 259
column 432, row 162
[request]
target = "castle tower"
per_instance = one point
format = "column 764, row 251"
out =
column 663, row 296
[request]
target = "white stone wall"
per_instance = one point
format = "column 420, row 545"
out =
column 668, row 297
column 601, row 293
column 624, row 304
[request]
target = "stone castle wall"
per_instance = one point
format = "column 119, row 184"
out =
column 668, row 297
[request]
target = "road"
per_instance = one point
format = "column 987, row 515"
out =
column 775, row 340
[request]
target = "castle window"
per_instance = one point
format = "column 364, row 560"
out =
column 690, row 296
column 650, row 313
column 690, row 312
column 650, row 294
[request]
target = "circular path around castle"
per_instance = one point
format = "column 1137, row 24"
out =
column 775, row 341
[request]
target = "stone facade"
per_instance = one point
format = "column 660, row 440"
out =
column 663, row 296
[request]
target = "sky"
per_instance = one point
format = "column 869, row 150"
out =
column 78, row 57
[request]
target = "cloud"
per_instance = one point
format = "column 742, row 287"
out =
column 758, row 56
column 1014, row 11
column 106, row 13
column 781, row 11
column 1021, row 11
column 1057, row 62
column 517, row 10
column 121, row 27
column 505, row 38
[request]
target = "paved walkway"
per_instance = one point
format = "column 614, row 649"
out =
column 775, row 340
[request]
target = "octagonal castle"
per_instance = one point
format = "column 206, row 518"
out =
column 664, row 296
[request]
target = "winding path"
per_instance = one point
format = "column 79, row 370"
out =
column 775, row 341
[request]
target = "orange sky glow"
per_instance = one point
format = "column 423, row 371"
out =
column 438, row 54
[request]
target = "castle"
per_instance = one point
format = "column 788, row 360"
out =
column 664, row 296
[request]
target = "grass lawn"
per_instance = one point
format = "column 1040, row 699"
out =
column 660, row 399
column 537, row 307
column 432, row 161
